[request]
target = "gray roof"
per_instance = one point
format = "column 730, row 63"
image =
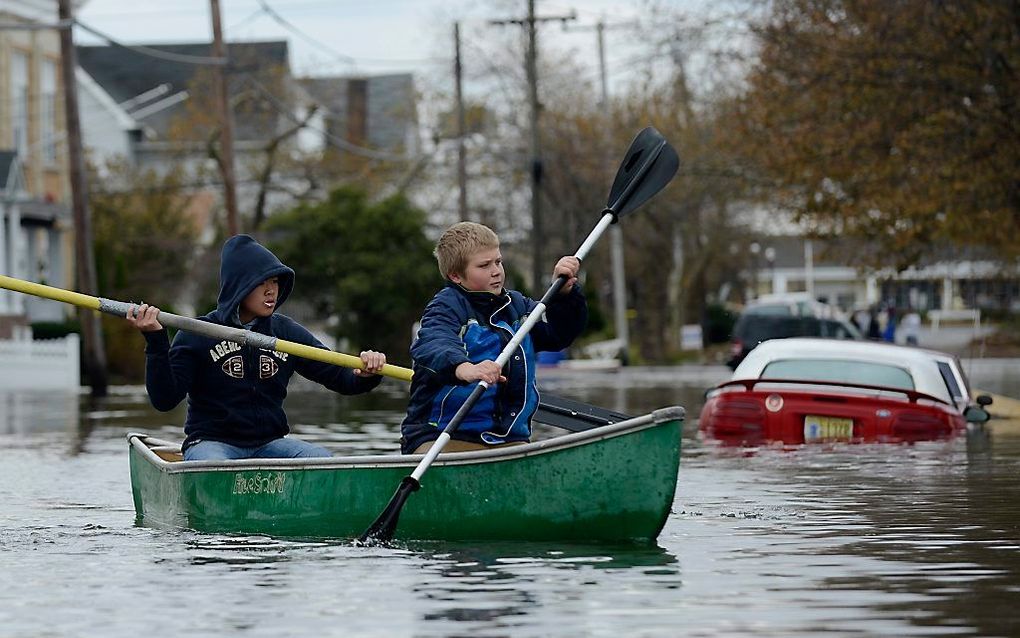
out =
column 391, row 107
column 125, row 73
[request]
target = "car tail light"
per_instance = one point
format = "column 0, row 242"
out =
column 774, row 402
column 738, row 417
column 915, row 425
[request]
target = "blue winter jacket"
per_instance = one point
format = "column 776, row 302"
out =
column 462, row 326
column 235, row 394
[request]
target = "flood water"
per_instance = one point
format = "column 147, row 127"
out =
column 911, row 540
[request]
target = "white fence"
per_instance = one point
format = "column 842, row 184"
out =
column 50, row 364
column 938, row 316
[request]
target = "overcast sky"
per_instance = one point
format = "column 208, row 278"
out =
column 333, row 37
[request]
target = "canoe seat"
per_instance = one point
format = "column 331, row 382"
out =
column 168, row 452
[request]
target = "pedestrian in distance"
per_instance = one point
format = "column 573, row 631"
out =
column 874, row 327
column 861, row 319
column 889, row 332
column 910, row 327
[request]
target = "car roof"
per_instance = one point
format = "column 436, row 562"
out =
column 921, row 363
column 752, row 328
column 798, row 303
column 784, row 297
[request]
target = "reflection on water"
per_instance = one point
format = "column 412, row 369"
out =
column 494, row 556
column 867, row 539
column 243, row 552
column 36, row 412
column 515, row 586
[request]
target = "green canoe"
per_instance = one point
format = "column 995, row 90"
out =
column 610, row 483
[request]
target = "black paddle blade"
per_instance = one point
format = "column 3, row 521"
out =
column 574, row 416
column 650, row 164
column 382, row 530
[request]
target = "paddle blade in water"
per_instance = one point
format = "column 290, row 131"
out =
column 650, row 164
column 382, row 530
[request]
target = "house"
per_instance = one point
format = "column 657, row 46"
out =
column 377, row 112
column 149, row 105
column 35, row 219
column 949, row 279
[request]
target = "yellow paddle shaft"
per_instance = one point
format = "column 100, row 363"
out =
column 338, row 358
column 49, row 292
column 216, row 331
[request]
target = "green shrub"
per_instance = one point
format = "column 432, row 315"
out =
column 55, row 329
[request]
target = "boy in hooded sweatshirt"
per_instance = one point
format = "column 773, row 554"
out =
column 235, row 393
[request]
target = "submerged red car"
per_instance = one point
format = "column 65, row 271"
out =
column 803, row 390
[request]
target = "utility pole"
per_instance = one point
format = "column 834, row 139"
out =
column 226, row 123
column 461, row 127
column 537, row 168
column 538, row 266
column 93, row 350
column 615, row 232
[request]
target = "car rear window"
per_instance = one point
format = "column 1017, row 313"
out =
column 950, row 380
column 839, row 371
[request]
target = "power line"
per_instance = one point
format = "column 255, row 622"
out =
column 333, row 140
column 345, row 58
column 529, row 23
column 251, row 18
column 301, row 34
column 156, row 53
column 321, row 7
column 35, row 26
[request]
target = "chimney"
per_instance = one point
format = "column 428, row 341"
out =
column 357, row 111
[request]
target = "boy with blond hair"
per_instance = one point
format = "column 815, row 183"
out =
column 464, row 328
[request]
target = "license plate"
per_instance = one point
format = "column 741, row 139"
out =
column 827, row 428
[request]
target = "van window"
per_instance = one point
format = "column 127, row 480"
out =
column 839, row 330
column 753, row 329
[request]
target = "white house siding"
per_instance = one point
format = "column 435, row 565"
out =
column 105, row 126
column 12, row 262
column 45, row 257
column 33, row 221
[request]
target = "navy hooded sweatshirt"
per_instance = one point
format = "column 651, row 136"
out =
column 235, row 393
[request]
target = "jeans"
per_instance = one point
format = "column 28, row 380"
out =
column 285, row 448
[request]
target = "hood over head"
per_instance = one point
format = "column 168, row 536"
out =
column 244, row 264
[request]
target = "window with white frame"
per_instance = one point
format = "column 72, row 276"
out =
column 19, row 102
column 48, row 111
